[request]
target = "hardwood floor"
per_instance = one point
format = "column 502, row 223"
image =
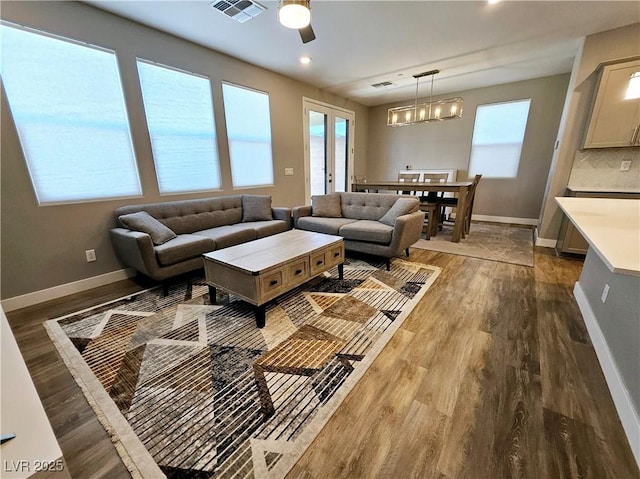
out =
column 491, row 376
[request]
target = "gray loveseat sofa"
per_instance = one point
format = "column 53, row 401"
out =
column 162, row 240
column 378, row 224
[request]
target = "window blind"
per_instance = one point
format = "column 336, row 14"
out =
column 67, row 103
column 179, row 111
column 498, row 135
column 249, row 133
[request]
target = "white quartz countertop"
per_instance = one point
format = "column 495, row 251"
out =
column 612, row 228
column 604, row 189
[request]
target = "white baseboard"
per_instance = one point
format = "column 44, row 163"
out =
column 627, row 413
column 544, row 242
column 29, row 299
column 506, row 219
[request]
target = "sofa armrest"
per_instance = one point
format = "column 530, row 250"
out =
column 282, row 213
column 300, row 212
column 406, row 231
column 135, row 249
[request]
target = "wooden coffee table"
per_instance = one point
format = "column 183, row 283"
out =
column 261, row 270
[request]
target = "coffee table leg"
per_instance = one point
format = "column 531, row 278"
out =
column 341, row 271
column 260, row 312
column 212, row 294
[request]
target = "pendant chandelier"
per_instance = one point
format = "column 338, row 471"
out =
column 425, row 112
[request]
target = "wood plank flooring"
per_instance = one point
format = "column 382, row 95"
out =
column 492, row 376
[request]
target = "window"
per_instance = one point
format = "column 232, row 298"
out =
column 249, row 133
column 68, row 107
column 497, row 139
column 179, row 111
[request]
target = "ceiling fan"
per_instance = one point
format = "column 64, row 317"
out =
column 291, row 14
column 297, row 14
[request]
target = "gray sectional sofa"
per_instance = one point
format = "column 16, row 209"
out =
column 378, row 224
column 162, row 240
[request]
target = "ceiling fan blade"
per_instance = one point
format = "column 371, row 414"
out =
column 306, row 33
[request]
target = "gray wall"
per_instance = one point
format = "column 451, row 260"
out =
column 617, row 317
column 597, row 48
column 43, row 246
column 448, row 145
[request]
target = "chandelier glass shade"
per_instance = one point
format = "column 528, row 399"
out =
column 425, row 112
column 294, row 13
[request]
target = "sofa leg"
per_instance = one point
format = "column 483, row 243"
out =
column 406, row 252
column 165, row 289
column 388, row 263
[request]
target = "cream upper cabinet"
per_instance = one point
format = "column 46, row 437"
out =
column 614, row 121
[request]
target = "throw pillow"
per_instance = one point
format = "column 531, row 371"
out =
column 327, row 206
column 402, row 206
column 256, row 208
column 144, row 222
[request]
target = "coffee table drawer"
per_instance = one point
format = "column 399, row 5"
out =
column 297, row 272
column 318, row 262
column 271, row 284
column 335, row 255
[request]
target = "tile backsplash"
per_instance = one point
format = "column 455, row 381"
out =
column 601, row 168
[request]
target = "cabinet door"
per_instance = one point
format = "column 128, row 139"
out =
column 614, row 121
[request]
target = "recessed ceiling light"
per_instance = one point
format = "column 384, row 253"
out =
column 493, row 2
column 305, row 60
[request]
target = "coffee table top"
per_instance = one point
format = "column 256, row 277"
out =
column 264, row 253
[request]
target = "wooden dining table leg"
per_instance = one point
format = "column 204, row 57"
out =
column 458, row 226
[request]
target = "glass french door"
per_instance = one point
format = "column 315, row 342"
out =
column 328, row 148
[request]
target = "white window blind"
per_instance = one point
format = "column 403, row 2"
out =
column 497, row 139
column 69, row 110
column 179, row 110
column 249, row 133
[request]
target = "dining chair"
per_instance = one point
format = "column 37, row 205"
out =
column 453, row 203
column 408, row 178
column 430, row 204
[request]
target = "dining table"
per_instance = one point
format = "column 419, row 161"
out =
column 459, row 187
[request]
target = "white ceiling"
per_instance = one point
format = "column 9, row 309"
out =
column 359, row 43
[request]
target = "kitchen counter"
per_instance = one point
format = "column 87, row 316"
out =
column 602, row 189
column 34, row 452
column 608, row 295
column 611, row 227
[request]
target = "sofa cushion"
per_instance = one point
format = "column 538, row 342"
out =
column 144, row 222
column 268, row 228
column 367, row 206
column 326, row 206
column 229, row 235
column 367, row 230
column 183, row 247
column 329, row 226
column 256, row 208
column 188, row 216
column 402, row 206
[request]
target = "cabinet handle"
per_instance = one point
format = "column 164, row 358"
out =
column 298, row 271
column 335, row 255
column 319, row 262
column 273, row 282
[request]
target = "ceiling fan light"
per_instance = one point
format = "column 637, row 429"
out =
column 294, row 14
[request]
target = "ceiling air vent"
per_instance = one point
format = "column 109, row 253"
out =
column 382, row 84
column 240, row 10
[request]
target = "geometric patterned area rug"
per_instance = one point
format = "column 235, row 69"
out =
column 187, row 389
column 507, row 244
